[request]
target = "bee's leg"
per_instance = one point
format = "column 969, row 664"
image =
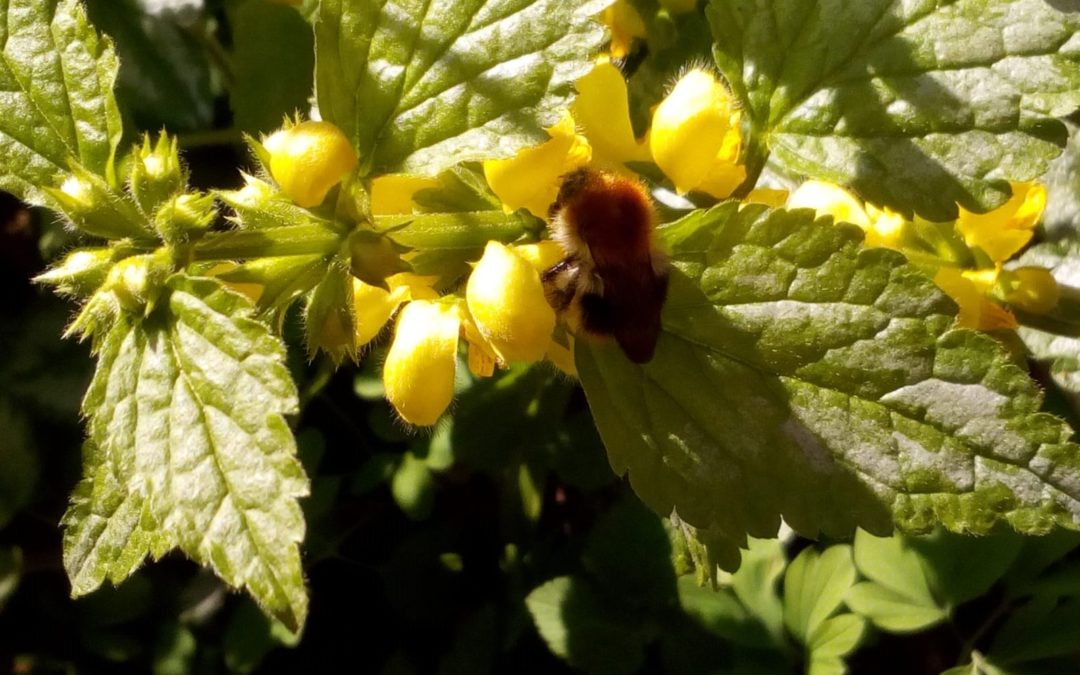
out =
column 561, row 283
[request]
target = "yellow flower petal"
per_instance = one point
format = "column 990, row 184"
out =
column 886, row 227
column 625, row 24
column 690, row 129
column 976, row 311
column 373, row 306
column 308, row 159
column 722, row 179
column 530, row 179
column 419, row 369
column 602, row 109
column 393, row 194
column 768, row 197
column 541, row 255
column 830, row 200
column 1005, row 230
column 506, row 299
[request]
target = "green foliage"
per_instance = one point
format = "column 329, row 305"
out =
column 59, row 75
column 192, row 452
column 917, row 106
column 420, row 87
column 837, row 396
column 801, row 377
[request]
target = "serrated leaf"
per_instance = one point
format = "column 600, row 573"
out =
column 57, row 77
column 898, row 596
column 188, row 448
column 578, row 626
column 917, row 105
column 421, row 85
column 814, row 588
column 801, row 375
column 1061, row 352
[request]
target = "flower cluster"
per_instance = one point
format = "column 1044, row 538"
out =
column 966, row 259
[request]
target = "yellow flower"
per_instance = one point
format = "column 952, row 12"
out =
column 393, row 193
column 373, row 306
column 625, row 24
column 830, row 200
column 541, row 255
column 767, row 196
column 695, row 136
column 602, row 109
column 530, row 179
column 969, row 288
column 308, row 159
column 419, row 371
column 1032, row 289
column 883, row 227
column 506, row 299
column 1005, row 230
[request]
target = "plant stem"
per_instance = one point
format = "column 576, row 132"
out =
column 279, row 241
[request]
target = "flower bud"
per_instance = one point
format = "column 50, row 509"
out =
column 690, row 127
column 419, row 369
column 184, row 216
column 506, row 298
column 81, row 272
column 308, row 159
column 1032, row 289
column 136, row 281
column 97, row 209
column 156, row 173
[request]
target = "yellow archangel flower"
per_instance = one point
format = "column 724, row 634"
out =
column 308, row 159
column 419, row 371
column 882, row 226
column 530, row 179
column 695, row 137
column 969, row 289
column 624, row 23
column 1001, row 233
column 506, row 299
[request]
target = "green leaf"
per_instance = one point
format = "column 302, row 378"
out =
column 801, row 375
column 165, row 78
column 898, row 597
column 917, row 106
column 814, row 588
column 1045, row 627
column 57, row 76
column 1063, row 189
column 629, row 548
column 1060, row 351
column 421, row 85
column 19, row 474
column 754, row 584
column 273, row 61
column 722, row 613
column 188, row 448
column 579, row 626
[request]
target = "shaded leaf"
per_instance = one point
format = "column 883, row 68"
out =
column 917, row 105
column 800, row 375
